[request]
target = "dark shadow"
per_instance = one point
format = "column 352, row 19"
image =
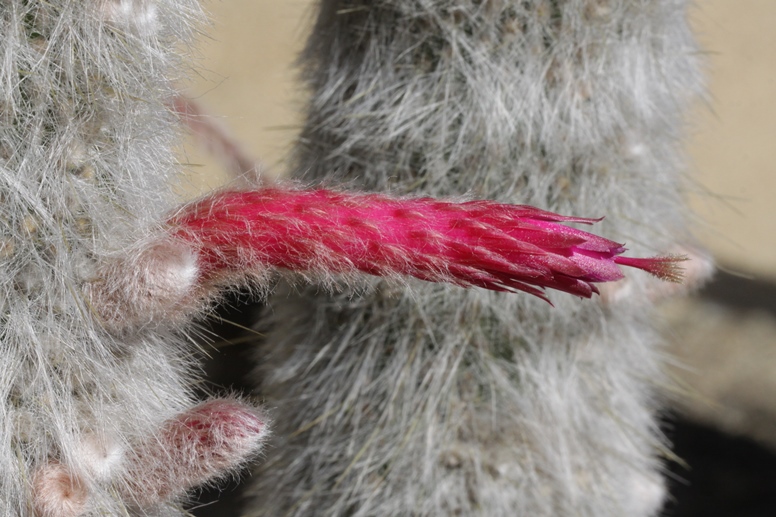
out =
column 741, row 293
column 228, row 371
column 727, row 476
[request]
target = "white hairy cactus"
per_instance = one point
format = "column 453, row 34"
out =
column 441, row 401
column 90, row 411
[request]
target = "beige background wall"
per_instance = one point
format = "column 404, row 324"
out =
column 246, row 77
column 734, row 142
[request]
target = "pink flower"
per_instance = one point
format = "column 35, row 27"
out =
column 477, row 243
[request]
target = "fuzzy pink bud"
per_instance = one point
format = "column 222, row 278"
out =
column 476, row 243
column 204, row 443
column 57, row 492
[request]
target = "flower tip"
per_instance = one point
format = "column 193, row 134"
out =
column 665, row 268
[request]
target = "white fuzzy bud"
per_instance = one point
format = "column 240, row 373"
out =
column 101, row 455
column 152, row 285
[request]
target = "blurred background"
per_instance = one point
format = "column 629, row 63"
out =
column 724, row 430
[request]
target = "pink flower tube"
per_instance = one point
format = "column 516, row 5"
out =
column 476, row 243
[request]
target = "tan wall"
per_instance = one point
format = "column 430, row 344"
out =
column 734, row 143
column 247, row 78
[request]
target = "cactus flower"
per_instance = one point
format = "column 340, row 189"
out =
column 475, row 243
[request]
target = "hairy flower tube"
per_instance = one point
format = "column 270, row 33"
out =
column 475, row 243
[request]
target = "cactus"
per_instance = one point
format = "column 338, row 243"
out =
column 91, row 412
column 438, row 401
